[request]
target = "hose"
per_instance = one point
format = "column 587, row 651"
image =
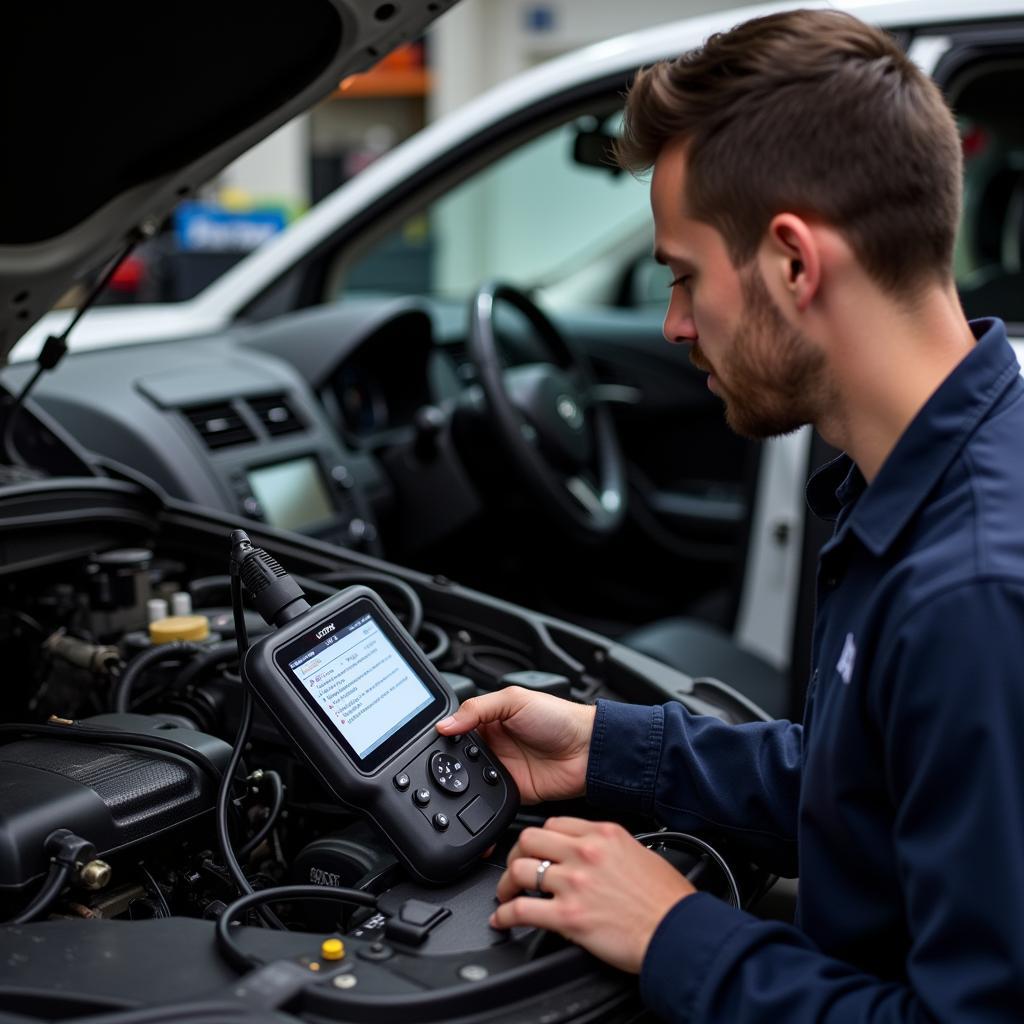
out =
column 144, row 660
column 414, row 606
column 59, row 876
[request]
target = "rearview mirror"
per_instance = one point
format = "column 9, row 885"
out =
column 595, row 148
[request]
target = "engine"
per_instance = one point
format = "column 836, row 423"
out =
column 127, row 710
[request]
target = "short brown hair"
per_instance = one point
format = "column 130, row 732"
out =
column 811, row 112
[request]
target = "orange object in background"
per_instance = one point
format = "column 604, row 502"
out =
column 402, row 72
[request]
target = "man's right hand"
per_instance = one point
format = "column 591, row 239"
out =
column 543, row 741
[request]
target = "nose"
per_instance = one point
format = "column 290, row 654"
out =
column 679, row 326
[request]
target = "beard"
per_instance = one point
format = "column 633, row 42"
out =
column 771, row 377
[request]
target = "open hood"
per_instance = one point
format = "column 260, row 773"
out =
column 114, row 112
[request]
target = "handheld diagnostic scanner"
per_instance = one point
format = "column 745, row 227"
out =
column 358, row 701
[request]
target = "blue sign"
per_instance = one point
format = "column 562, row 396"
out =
column 205, row 227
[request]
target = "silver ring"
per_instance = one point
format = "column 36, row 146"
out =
column 541, row 868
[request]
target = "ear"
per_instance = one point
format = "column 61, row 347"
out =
column 794, row 256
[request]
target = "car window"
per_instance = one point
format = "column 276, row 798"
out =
column 989, row 260
column 534, row 217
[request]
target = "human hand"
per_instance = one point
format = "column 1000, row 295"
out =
column 542, row 740
column 609, row 892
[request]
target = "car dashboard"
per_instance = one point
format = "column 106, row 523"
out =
column 282, row 423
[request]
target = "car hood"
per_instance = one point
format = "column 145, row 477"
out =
column 113, row 114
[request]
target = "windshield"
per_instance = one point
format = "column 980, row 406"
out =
column 534, row 217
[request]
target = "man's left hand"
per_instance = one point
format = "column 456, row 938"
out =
column 608, row 892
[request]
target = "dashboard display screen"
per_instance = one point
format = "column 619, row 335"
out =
column 360, row 683
column 293, row 494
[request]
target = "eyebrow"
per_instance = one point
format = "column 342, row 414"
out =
column 662, row 257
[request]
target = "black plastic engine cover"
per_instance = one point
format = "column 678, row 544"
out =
column 112, row 796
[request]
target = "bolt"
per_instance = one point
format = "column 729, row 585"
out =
column 95, row 874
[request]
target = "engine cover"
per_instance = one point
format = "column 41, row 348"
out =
column 112, row 796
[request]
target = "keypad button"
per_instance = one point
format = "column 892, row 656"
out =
column 476, row 814
column 472, row 751
column 491, row 776
column 441, row 821
column 402, row 782
column 449, row 772
column 422, row 797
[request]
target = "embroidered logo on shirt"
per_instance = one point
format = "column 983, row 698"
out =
column 844, row 666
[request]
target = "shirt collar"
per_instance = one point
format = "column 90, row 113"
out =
column 879, row 512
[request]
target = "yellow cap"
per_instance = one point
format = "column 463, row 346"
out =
column 332, row 949
column 179, row 627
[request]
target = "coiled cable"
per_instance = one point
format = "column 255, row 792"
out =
column 230, row 949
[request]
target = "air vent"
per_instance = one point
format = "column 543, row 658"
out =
column 276, row 415
column 219, row 425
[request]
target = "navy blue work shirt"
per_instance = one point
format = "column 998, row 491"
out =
column 900, row 799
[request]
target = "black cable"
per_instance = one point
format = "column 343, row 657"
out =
column 684, row 839
column 53, row 351
column 242, row 961
column 164, row 906
column 224, row 802
column 79, row 733
column 276, row 803
column 145, row 659
column 59, row 876
column 211, row 656
column 201, row 588
column 414, row 606
column 224, row 791
column 442, row 643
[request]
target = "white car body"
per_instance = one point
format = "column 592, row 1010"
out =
column 769, row 594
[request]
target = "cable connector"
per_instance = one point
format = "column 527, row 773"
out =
column 241, row 546
column 76, row 857
column 271, row 591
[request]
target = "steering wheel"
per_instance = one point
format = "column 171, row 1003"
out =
column 559, row 436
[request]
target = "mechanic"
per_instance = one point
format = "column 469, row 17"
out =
column 805, row 192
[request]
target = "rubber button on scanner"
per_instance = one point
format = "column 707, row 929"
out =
column 402, row 781
column 449, row 772
column 422, row 797
column 491, row 776
column 441, row 821
column 476, row 814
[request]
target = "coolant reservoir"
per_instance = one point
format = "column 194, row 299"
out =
column 179, row 627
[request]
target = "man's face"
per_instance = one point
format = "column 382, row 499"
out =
column 770, row 377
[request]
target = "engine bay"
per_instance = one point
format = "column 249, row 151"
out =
column 119, row 717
